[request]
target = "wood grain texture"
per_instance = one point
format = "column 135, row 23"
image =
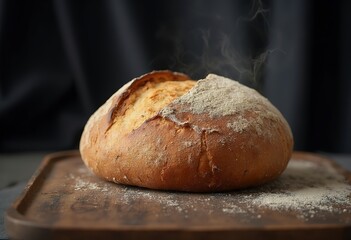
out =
column 63, row 200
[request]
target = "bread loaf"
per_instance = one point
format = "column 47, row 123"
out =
column 165, row 131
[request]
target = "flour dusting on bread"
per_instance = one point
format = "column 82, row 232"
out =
column 217, row 97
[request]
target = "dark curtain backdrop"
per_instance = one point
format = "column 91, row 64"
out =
column 60, row 60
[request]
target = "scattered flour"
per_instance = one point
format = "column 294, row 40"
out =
column 81, row 183
column 306, row 189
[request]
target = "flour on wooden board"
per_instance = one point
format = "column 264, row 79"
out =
column 305, row 188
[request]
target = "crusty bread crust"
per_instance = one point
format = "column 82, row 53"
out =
column 189, row 145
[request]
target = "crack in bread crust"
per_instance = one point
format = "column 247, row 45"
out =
column 145, row 103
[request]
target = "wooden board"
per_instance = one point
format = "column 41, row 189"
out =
column 63, row 200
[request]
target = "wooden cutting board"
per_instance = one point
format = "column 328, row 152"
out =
column 63, row 200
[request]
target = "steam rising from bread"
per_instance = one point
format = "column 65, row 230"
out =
column 239, row 51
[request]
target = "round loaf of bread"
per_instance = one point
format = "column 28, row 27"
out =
column 164, row 131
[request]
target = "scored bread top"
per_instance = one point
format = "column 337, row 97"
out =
column 147, row 101
column 119, row 103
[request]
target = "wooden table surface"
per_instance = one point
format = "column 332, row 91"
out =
column 64, row 200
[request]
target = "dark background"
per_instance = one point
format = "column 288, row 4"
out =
column 60, row 60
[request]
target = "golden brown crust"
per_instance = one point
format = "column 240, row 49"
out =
column 180, row 150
